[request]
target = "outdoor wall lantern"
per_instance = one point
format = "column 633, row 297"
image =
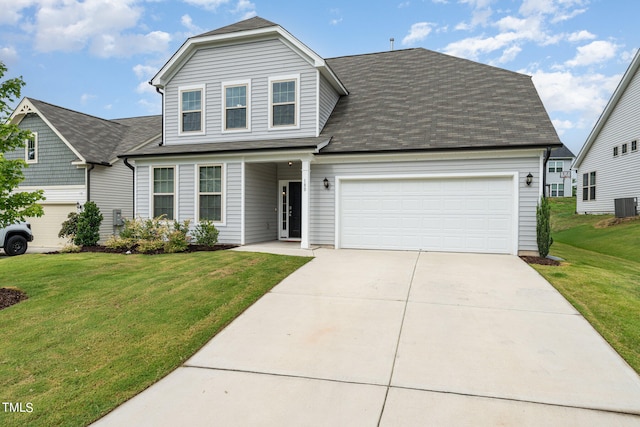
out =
column 326, row 183
column 529, row 179
column 290, row 163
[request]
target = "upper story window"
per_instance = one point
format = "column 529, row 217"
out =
column 615, row 151
column 556, row 166
column 31, row 149
column 192, row 101
column 589, row 186
column 625, row 148
column 284, row 101
column 634, row 145
column 236, row 106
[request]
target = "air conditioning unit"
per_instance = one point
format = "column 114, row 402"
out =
column 626, row 207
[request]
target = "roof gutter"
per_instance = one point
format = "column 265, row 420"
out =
column 544, row 172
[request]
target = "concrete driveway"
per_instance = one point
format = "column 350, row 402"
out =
column 367, row 338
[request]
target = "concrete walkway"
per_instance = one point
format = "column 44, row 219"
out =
column 367, row 338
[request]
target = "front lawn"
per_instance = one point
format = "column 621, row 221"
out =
column 99, row 328
column 601, row 274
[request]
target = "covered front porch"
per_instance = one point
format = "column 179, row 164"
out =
column 276, row 200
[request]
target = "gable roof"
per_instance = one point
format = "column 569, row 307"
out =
column 252, row 29
column 562, row 153
column 611, row 105
column 92, row 139
column 417, row 99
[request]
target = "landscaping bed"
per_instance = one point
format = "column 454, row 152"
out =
column 539, row 260
column 10, row 296
column 190, row 248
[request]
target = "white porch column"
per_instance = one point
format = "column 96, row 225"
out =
column 306, row 187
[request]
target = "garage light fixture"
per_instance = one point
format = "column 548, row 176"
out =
column 529, row 179
column 326, row 183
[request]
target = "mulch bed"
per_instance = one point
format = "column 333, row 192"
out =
column 9, row 297
column 191, row 248
column 539, row 260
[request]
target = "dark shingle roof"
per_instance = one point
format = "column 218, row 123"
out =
column 562, row 153
column 418, row 99
column 254, row 23
column 98, row 140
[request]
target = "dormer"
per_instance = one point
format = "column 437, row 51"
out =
column 250, row 80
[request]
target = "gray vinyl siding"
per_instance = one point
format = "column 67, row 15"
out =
column 187, row 188
column 54, row 158
column 112, row 188
column 322, row 204
column 256, row 61
column 554, row 177
column 261, row 202
column 328, row 99
column 143, row 175
column 616, row 177
column 186, row 195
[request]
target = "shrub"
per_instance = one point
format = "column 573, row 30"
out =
column 178, row 238
column 69, row 227
column 146, row 246
column 543, row 227
column 120, row 243
column 88, row 228
column 70, row 248
column 206, row 233
column 152, row 236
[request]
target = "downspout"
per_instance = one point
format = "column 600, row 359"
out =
column 133, row 186
column 544, row 171
column 89, row 181
column 161, row 130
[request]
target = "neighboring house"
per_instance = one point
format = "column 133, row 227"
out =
column 559, row 173
column 408, row 149
column 73, row 158
column 608, row 165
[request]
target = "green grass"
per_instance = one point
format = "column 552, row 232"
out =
column 99, row 328
column 601, row 274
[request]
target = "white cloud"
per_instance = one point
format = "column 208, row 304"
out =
column 8, row 54
column 580, row 36
column 152, row 107
column 127, row 45
column 417, row 33
column 207, row 4
column 187, row 22
column 509, row 54
column 86, row 97
column 12, row 10
column 246, row 8
column 593, row 53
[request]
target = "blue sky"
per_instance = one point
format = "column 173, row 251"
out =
column 96, row 56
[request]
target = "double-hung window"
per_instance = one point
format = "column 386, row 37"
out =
column 625, row 148
column 634, row 145
column 557, row 190
column 163, row 192
column 31, row 148
column 210, row 193
column 589, row 186
column 192, row 110
column 236, row 106
column 556, row 166
column 284, row 103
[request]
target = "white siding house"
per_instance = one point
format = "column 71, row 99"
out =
column 272, row 142
column 608, row 166
column 559, row 173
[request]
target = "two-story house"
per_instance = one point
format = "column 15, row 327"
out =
column 559, row 174
column 608, row 165
column 73, row 158
column 407, row 149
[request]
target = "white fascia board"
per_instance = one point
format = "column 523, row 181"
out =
column 438, row 155
column 602, row 120
column 192, row 44
column 25, row 107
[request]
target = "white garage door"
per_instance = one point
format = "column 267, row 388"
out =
column 46, row 228
column 449, row 215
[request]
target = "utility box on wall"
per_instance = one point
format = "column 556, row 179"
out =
column 626, row 207
column 117, row 218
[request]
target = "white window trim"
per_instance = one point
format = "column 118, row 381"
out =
column 555, row 164
column 223, row 201
column 26, row 149
column 274, row 79
column 203, row 117
column 558, row 190
column 152, row 193
column 223, row 124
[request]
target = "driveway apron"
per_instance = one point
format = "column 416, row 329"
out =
column 367, row 338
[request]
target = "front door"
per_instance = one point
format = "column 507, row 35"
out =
column 290, row 210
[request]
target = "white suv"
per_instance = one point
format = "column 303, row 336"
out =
column 14, row 238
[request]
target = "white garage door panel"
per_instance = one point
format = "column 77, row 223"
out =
column 453, row 214
column 46, row 228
